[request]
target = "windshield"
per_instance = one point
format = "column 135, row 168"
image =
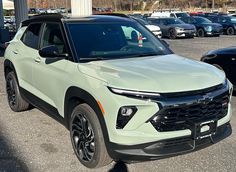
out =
column 182, row 15
column 142, row 21
column 202, row 20
column 113, row 40
column 174, row 21
column 233, row 19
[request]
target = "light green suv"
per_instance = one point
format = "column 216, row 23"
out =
column 123, row 97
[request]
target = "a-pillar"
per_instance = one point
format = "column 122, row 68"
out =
column 81, row 7
column 21, row 11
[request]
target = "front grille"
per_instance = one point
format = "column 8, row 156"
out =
column 189, row 30
column 180, row 117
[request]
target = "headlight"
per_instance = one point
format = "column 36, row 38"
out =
column 134, row 94
column 179, row 29
column 208, row 28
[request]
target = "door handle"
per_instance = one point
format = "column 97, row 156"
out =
column 37, row 59
column 15, row 51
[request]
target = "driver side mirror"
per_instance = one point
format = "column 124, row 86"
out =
column 51, row 51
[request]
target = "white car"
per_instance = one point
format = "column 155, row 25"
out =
column 156, row 30
column 175, row 14
column 52, row 11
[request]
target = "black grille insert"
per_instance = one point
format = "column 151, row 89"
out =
column 178, row 117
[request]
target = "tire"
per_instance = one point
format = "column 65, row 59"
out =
column 15, row 100
column 172, row 34
column 230, row 31
column 200, row 33
column 87, row 137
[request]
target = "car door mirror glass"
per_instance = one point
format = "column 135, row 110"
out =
column 51, row 51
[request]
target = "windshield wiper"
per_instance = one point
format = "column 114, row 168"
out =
column 119, row 57
column 149, row 54
column 142, row 55
column 92, row 59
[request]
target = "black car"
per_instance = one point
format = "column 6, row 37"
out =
column 173, row 27
column 204, row 26
column 228, row 23
column 224, row 59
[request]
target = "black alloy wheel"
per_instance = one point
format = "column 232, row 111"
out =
column 11, row 91
column 200, row 33
column 15, row 100
column 230, row 31
column 87, row 137
column 83, row 137
column 172, row 34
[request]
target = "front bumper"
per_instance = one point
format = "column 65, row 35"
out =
column 214, row 32
column 186, row 33
column 158, row 34
column 166, row 148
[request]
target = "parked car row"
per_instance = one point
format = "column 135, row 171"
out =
column 174, row 27
column 49, row 10
column 207, row 24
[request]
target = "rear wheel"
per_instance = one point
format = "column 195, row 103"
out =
column 15, row 100
column 172, row 34
column 230, row 31
column 87, row 137
column 200, row 33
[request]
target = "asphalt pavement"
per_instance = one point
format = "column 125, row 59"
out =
column 32, row 141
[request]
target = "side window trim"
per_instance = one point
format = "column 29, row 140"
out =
column 43, row 27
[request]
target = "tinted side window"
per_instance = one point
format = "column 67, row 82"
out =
column 163, row 22
column 52, row 35
column 172, row 15
column 31, row 35
column 155, row 21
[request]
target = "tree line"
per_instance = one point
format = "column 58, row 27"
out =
column 130, row 5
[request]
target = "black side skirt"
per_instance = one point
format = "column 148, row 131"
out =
column 42, row 106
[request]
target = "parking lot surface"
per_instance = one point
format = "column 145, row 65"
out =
column 32, row 141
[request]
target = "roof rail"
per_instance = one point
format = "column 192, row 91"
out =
column 114, row 14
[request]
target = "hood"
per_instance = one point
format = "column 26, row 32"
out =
column 229, row 50
column 153, row 28
column 163, row 74
column 215, row 25
column 185, row 26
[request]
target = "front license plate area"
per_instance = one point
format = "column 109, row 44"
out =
column 197, row 130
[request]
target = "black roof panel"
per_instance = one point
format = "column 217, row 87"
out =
column 60, row 18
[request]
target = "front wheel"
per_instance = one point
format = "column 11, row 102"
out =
column 172, row 34
column 230, row 31
column 200, row 33
column 87, row 137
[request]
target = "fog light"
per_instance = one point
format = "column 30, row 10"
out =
column 126, row 111
column 124, row 116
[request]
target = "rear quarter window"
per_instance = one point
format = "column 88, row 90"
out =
column 31, row 36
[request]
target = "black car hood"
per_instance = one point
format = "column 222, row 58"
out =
column 229, row 50
column 215, row 25
column 185, row 26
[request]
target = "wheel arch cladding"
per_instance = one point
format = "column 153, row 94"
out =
column 75, row 96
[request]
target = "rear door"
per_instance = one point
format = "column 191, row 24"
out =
column 26, row 50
